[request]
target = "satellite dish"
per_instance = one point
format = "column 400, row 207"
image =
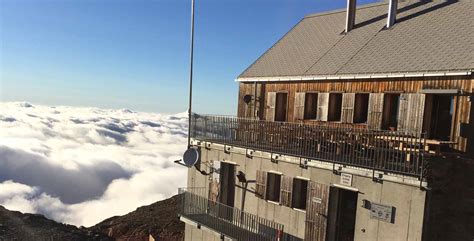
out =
column 190, row 157
column 247, row 99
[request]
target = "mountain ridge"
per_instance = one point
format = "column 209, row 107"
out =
column 158, row 219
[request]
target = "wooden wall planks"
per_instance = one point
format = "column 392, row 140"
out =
column 407, row 85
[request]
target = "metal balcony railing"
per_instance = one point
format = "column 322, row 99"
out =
column 229, row 221
column 388, row 151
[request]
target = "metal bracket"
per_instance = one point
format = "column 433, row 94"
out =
column 304, row 163
column 208, row 146
column 378, row 179
column 249, row 153
column 227, row 149
column 336, row 171
column 275, row 158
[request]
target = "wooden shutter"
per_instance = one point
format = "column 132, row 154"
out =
column 299, row 106
column 374, row 118
column 214, row 190
column 271, row 102
column 261, row 184
column 410, row 113
column 316, row 212
column 286, row 190
column 348, row 100
column 323, row 104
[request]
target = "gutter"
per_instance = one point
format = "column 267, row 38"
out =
column 356, row 76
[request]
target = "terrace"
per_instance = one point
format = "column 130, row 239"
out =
column 381, row 150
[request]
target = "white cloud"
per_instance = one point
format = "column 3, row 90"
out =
column 82, row 165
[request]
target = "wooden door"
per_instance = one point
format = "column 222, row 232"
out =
column 299, row 106
column 271, row 102
column 323, row 105
column 316, row 212
column 348, row 100
column 374, row 118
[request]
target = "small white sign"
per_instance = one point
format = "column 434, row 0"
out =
column 317, row 200
column 381, row 212
column 346, row 179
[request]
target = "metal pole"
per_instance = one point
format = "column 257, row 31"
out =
column 191, row 74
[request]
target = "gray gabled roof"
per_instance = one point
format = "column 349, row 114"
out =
column 428, row 37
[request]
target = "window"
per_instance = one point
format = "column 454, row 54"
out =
column 281, row 106
column 310, row 106
column 273, row 187
column 300, row 191
column 390, row 111
column 361, row 108
column 439, row 112
column 335, row 107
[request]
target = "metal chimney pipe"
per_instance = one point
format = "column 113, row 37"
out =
column 392, row 13
column 350, row 14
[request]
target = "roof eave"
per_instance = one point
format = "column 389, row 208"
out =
column 355, row 76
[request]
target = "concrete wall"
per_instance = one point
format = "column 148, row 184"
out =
column 408, row 199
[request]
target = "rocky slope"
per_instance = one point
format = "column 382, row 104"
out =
column 158, row 219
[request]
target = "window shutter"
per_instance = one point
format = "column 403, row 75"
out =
column 416, row 112
column 286, row 189
column 299, row 106
column 374, row 118
column 348, row 100
column 323, row 103
column 410, row 115
column 403, row 112
column 316, row 211
column 261, row 184
column 271, row 101
column 214, row 190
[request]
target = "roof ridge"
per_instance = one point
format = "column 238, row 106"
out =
column 330, row 12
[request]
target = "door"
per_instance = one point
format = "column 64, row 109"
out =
column 316, row 212
column 342, row 214
column 227, row 184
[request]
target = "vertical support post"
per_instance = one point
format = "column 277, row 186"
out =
column 350, row 14
column 255, row 100
column 392, row 13
column 191, row 74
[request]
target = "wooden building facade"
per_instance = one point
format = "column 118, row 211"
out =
column 357, row 125
column 415, row 110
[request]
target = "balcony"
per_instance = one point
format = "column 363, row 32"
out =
column 387, row 151
column 229, row 221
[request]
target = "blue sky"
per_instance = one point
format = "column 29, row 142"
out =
column 134, row 53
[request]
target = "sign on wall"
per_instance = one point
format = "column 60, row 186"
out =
column 382, row 212
column 346, row 179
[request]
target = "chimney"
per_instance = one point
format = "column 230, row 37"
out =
column 350, row 14
column 392, row 13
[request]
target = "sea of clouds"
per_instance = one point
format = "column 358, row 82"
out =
column 83, row 165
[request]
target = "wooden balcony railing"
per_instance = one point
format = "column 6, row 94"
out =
column 387, row 151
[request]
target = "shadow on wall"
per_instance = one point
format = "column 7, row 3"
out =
column 70, row 185
column 451, row 199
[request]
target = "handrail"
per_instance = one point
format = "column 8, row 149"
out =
column 229, row 221
column 388, row 151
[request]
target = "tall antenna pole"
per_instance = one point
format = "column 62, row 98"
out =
column 191, row 74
